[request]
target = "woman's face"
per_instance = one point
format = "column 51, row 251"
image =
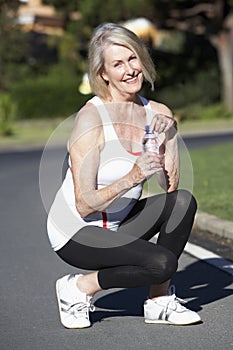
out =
column 122, row 71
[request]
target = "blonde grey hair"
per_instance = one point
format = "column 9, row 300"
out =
column 110, row 33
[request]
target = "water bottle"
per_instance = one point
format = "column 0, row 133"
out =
column 150, row 141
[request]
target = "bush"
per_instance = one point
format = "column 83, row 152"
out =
column 7, row 114
column 203, row 89
column 199, row 112
column 54, row 95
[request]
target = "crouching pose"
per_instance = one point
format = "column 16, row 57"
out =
column 99, row 220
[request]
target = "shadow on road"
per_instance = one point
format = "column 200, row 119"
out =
column 203, row 284
column 199, row 282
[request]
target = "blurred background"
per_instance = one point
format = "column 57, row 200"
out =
column 43, row 55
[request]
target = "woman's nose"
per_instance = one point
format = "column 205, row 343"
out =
column 129, row 68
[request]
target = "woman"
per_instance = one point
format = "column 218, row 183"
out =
column 98, row 221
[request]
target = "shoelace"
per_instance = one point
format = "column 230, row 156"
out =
column 174, row 303
column 81, row 308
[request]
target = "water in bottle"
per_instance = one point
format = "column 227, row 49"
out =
column 150, row 141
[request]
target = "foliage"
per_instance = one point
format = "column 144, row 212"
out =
column 13, row 45
column 187, row 76
column 63, row 5
column 8, row 4
column 73, row 45
column 93, row 13
column 7, row 114
column 212, row 20
column 197, row 111
column 112, row 11
column 69, row 51
column 200, row 88
column 52, row 95
column 196, row 19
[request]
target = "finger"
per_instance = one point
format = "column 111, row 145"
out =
column 162, row 123
column 162, row 127
column 159, row 123
column 154, row 166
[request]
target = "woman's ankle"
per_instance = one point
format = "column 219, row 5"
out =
column 88, row 284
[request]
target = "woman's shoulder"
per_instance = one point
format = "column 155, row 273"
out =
column 88, row 115
column 87, row 122
column 159, row 107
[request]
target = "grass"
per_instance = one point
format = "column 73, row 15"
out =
column 213, row 168
column 205, row 126
column 30, row 133
column 207, row 172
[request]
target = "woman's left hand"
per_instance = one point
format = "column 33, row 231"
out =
column 163, row 123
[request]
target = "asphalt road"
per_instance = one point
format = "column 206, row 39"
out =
column 209, row 139
column 29, row 269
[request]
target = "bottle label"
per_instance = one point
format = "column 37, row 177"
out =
column 151, row 146
column 150, row 141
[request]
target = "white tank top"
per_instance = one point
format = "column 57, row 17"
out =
column 115, row 161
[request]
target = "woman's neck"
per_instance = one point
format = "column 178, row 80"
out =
column 118, row 98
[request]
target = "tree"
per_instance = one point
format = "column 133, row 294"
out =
column 64, row 7
column 92, row 13
column 211, row 19
column 13, row 46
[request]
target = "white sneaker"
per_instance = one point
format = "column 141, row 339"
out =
column 168, row 310
column 74, row 305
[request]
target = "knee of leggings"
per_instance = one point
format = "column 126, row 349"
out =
column 186, row 201
column 164, row 267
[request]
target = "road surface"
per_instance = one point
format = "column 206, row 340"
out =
column 29, row 268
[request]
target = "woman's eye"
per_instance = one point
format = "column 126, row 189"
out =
column 117, row 64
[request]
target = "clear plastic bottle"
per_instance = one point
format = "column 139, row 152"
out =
column 150, row 141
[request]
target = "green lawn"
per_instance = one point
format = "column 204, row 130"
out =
column 206, row 172
column 32, row 133
column 213, row 187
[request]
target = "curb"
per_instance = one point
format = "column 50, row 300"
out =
column 212, row 224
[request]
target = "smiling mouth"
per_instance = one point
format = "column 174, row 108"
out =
column 131, row 80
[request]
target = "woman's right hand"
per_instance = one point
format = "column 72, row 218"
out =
column 147, row 165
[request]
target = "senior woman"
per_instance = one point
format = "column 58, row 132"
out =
column 98, row 220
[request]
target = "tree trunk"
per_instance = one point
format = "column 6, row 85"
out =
column 223, row 42
column 225, row 55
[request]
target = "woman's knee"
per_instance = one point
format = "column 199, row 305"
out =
column 163, row 266
column 169, row 265
column 184, row 201
column 186, row 198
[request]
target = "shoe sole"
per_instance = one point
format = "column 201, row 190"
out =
column 60, row 312
column 171, row 323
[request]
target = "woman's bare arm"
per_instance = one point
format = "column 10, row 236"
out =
column 86, row 143
column 168, row 179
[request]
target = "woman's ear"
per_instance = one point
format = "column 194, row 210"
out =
column 104, row 76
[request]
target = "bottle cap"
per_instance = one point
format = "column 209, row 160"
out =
column 147, row 128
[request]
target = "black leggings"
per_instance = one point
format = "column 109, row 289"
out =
column 129, row 259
